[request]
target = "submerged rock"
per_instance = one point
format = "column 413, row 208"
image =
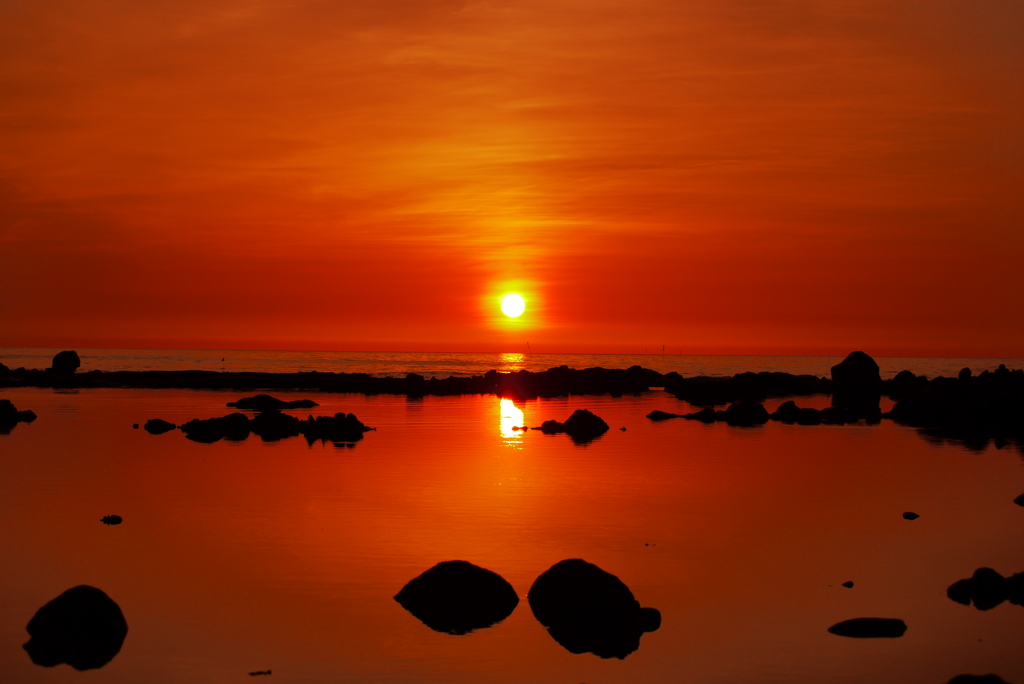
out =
column 11, row 416
column 746, row 414
column 82, row 627
column 265, row 402
column 1019, row 500
column 65, row 362
column 870, row 628
column 658, row 416
column 588, row 610
column 272, row 426
column 111, row 520
column 457, row 597
column 910, row 515
column 156, row 426
column 848, row 585
column 977, row 679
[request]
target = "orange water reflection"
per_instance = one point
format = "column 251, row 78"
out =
column 511, row 417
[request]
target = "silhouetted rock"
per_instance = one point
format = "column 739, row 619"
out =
column 65, row 362
column 977, row 679
column 265, row 402
column 588, row 610
column 857, row 371
column 1019, row 500
column 746, row 414
column 257, row 673
column 713, row 391
column 583, row 426
column 658, row 416
column 11, row 416
column 458, row 597
column 986, row 588
column 156, row 426
column 272, row 426
column 910, row 515
column 82, row 627
column 870, row 628
column 964, row 375
column 788, row 412
column 111, row 520
column 705, row 415
column 235, row 427
column 848, row 585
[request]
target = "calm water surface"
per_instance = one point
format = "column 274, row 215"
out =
column 236, row 557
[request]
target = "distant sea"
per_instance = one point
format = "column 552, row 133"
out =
column 461, row 364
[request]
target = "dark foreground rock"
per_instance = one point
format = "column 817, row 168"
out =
column 1019, row 500
column 155, row 426
column 910, row 515
column 82, row 627
column 272, row 426
column 111, row 520
column 977, row 679
column 986, row 589
column 870, row 628
column 588, row 610
column 740, row 414
column 65, row 363
column 458, row 597
column 582, row 426
column 11, row 416
column 265, row 402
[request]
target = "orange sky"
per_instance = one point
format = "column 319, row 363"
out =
column 736, row 176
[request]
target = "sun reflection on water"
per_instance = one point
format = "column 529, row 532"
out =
column 512, row 362
column 511, row 416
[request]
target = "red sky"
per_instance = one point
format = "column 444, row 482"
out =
column 736, row 176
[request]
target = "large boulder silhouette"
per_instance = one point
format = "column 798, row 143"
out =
column 582, row 426
column 588, row 610
column 82, row 627
column 65, row 362
column 457, row 597
column 746, row 414
column 857, row 386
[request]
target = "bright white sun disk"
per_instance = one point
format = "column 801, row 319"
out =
column 513, row 306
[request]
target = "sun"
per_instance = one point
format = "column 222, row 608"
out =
column 513, row 306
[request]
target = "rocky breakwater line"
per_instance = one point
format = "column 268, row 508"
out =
column 269, row 424
column 554, row 382
column 11, row 416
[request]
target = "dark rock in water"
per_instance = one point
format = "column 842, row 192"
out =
column 1019, row 500
column 848, row 585
column 458, row 597
column 11, row 416
column 977, row 679
column 65, row 362
column 658, row 416
column 583, row 426
column 82, row 627
column 857, row 371
column 746, row 414
column 265, row 402
column 986, row 588
column 714, row 391
column 257, row 673
column 156, row 426
column 111, row 520
column 789, row 412
column 870, row 628
column 135, row 426
column 910, row 515
column 234, row 426
column 705, row 415
column 588, row 610
column 272, row 426
column 964, row 375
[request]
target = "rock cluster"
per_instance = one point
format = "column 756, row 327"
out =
column 986, row 589
column 272, row 426
column 11, row 416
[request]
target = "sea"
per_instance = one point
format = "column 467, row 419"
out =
column 243, row 560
